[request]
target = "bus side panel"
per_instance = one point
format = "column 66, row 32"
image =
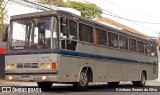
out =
column 70, row 67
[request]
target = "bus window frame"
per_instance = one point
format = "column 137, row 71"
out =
column 129, row 45
column 143, row 46
column 79, row 33
column 127, row 42
column 61, row 38
column 114, row 32
column 106, row 36
column 50, row 49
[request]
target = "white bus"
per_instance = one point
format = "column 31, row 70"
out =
column 60, row 47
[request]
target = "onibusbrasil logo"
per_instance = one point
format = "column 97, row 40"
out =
column 21, row 89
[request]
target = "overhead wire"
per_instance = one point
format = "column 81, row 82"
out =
column 130, row 20
column 110, row 13
column 117, row 16
column 130, row 10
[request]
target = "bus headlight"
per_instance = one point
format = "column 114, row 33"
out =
column 43, row 65
column 48, row 66
column 10, row 66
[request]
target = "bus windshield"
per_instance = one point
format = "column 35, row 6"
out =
column 34, row 33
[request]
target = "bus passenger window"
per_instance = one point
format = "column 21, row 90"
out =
column 68, row 28
column 64, row 29
column 132, row 45
column 123, row 42
column 146, row 48
column 100, row 37
column 68, row 32
column 153, row 50
column 113, row 40
column 149, row 49
column 86, row 33
column 140, row 47
column 72, row 29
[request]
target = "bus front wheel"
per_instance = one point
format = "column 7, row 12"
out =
column 142, row 82
column 83, row 81
column 44, row 85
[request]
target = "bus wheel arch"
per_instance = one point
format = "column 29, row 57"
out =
column 142, row 81
column 85, row 76
column 145, row 72
column 89, row 72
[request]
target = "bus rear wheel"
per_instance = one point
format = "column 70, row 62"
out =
column 44, row 85
column 113, row 84
column 142, row 82
column 83, row 81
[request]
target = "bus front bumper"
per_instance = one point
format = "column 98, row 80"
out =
column 31, row 77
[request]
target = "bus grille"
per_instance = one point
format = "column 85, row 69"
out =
column 27, row 65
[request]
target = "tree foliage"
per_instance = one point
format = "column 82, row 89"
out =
column 87, row 9
column 58, row 3
column 3, row 14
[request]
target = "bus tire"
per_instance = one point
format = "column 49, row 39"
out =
column 83, row 81
column 142, row 82
column 44, row 85
column 113, row 84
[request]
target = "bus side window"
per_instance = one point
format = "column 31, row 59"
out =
column 132, row 45
column 149, row 49
column 68, row 33
column 72, row 25
column 64, row 29
column 85, row 33
column 72, row 32
column 145, row 48
column 113, row 40
column 100, row 37
column 140, row 47
column 123, row 42
column 153, row 50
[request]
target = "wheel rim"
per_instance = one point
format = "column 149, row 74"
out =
column 83, row 79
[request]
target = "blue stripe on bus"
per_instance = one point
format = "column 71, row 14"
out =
column 102, row 57
column 73, row 53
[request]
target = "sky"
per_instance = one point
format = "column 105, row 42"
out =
column 137, row 10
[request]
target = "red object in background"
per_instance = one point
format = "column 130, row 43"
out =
column 2, row 51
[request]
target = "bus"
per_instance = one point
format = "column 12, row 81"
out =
column 61, row 47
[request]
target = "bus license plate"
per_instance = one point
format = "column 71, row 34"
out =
column 25, row 77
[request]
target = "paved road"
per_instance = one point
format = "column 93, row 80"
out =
column 93, row 89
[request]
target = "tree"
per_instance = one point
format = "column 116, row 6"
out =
column 58, row 3
column 3, row 15
column 87, row 9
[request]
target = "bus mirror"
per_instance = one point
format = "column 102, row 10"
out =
column 5, row 35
